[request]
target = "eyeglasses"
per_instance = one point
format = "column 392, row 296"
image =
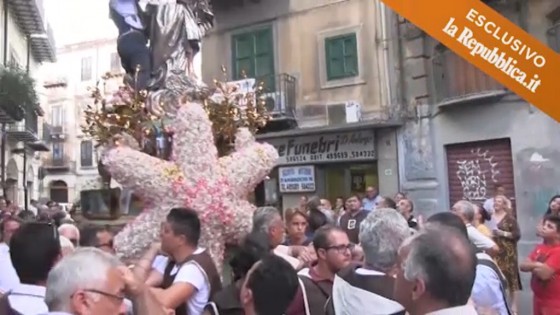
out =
column 341, row 248
column 118, row 298
column 109, row 244
column 73, row 241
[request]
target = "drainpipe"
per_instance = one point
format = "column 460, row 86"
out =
column 382, row 13
column 25, row 192
column 3, row 140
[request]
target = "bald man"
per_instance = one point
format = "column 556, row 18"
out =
column 429, row 264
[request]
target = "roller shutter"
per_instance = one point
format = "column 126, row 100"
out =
column 474, row 168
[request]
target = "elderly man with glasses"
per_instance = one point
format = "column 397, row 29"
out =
column 93, row 282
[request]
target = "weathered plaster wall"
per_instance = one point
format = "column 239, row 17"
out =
column 533, row 135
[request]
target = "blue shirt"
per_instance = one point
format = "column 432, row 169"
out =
column 487, row 292
column 370, row 204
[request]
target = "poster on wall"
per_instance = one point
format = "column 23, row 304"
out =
column 296, row 179
column 358, row 181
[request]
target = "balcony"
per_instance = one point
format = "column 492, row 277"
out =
column 30, row 17
column 43, row 46
column 457, row 81
column 25, row 130
column 60, row 164
column 57, row 132
column 55, row 83
column 280, row 96
column 10, row 114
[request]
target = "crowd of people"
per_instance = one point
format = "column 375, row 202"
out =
column 363, row 256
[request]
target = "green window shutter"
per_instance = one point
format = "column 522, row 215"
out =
column 341, row 57
column 253, row 54
column 243, row 56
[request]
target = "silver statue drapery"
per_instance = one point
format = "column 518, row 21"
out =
column 174, row 30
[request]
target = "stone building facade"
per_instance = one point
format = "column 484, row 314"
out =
column 467, row 133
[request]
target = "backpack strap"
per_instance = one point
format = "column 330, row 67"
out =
column 324, row 290
column 503, row 281
column 304, row 293
column 212, row 308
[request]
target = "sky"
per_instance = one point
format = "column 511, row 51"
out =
column 79, row 20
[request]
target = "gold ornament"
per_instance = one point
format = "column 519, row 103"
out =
column 227, row 108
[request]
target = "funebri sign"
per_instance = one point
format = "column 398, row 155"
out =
column 324, row 148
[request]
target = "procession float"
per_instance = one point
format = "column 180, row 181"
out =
column 180, row 142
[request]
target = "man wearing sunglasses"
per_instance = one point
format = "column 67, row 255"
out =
column 97, row 236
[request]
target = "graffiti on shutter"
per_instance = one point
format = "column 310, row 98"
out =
column 477, row 173
column 475, row 168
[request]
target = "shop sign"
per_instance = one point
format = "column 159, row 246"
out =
column 295, row 179
column 323, row 148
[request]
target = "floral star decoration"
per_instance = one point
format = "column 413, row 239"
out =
column 195, row 177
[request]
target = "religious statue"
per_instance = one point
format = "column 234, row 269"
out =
column 179, row 143
column 158, row 40
column 175, row 31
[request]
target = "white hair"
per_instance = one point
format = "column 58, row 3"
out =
column 381, row 234
column 264, row 217
column 83, row 269
column 68, row 227
column 466, row 208
column 65, row 243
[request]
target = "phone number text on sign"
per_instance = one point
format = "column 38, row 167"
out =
column 334, row 156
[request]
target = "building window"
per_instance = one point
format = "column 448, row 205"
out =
column 456, row 80
column 57, row 116
column 253, row 56
column 86, row 153
column 86, row 68
column 115, row 63
column 58, row 151
column 553, row 36
column 341, row 56
column 553, row 32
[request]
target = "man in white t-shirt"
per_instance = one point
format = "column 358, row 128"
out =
column 188, row 276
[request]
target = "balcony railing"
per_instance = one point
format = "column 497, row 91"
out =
column 58, row 163
column 280, row 95
column 25, row 130
column 29, row 15
column 57, row 132
column 56, row 82
column 43, row 46
column 456, row 80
